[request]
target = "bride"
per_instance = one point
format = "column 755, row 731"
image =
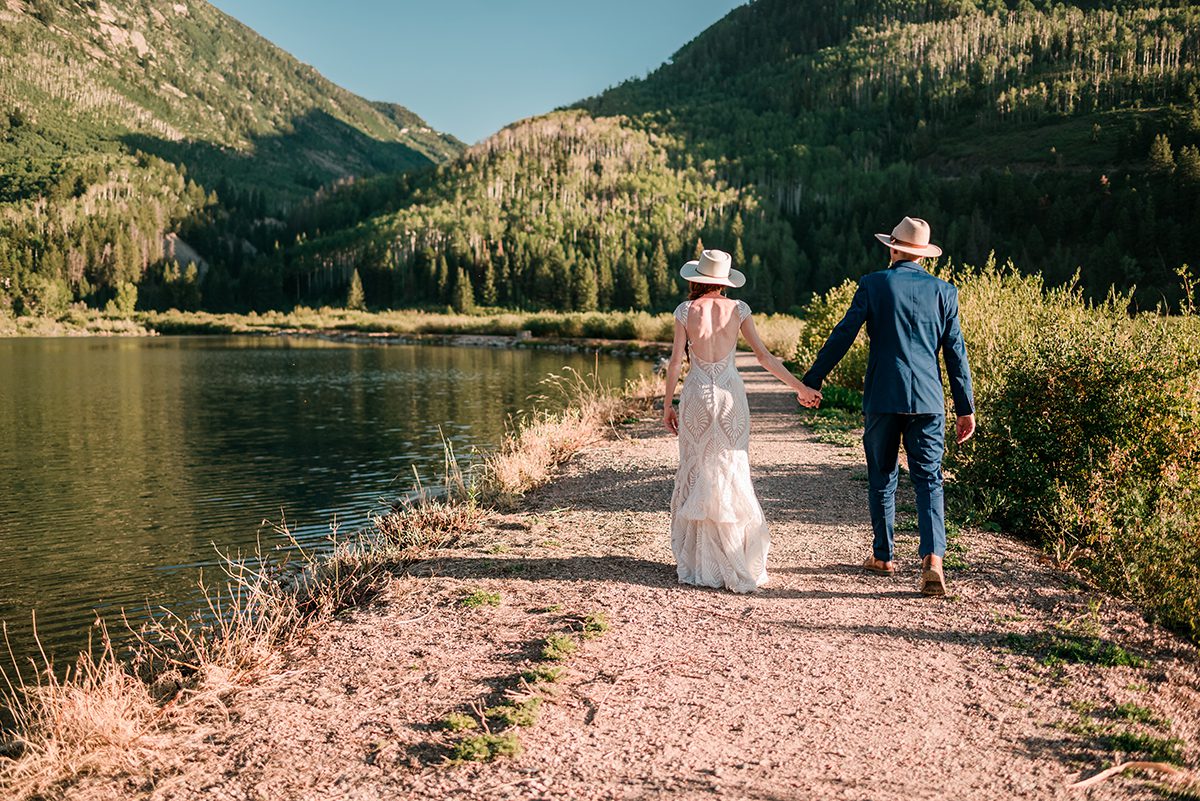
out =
column 718, row 532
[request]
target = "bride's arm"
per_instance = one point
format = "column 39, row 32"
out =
column 674, row 368
column 774, row 366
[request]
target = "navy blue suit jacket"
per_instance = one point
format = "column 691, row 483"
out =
column 910, row 316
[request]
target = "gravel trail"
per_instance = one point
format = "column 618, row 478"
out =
column 828, row 683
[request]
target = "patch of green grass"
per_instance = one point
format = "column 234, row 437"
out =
column 1056, row 648
column 520, row 713
column 1107, row 735
column 839, row 438
column 457, row 721
column 592, row 625
column 1152, row 746
column 484, row 747
column 956, row 552
column 859, row 475
column 545, row 610
column 558, row 647
column 480, row 597
column 499, row 547
column 1137, row 713
column 543, row 674
column 835, row 426
column 906, row 524
column 1138, row 687
column 551, row 543
column 906, row 508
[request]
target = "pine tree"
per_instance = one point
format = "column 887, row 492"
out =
column 463, row 299
column 606, row 294
column 487, row 292
column 660, row 278
column 636, row 285
column 584, row 296
column 355, row 299
column 1162, row 160
column 442, row 277
column 560, row 281
column 1188, row 165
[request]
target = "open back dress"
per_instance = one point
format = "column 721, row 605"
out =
column 718, row 532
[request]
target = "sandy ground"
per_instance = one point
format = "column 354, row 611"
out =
column 829, row 683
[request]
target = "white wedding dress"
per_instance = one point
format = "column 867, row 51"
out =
column 718, row 531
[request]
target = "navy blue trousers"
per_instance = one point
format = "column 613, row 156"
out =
column 924, row 437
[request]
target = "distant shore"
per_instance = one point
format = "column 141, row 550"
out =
column 630, row 334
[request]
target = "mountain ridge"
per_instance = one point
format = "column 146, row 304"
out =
column 124, row 118
column 1063, row 136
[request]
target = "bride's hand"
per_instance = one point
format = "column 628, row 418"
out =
column 808, row 397
column 670, row 418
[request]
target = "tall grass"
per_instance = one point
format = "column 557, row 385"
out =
column 1089, row 438
column 107, row 716
column 544, row 440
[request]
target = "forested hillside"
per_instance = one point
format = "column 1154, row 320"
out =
column 122, row 121
column 1063, row 136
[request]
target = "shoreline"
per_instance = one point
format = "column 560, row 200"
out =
column 548, row 651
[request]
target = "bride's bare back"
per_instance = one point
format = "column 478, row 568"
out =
column 713, row 323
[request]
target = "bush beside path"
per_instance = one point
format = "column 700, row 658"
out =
column 828, row 683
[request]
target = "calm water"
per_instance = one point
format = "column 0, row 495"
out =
column 124, row 463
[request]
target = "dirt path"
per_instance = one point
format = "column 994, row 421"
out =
column 827, row 684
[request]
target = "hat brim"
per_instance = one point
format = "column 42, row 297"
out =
column 688, row 272
column 929, row 251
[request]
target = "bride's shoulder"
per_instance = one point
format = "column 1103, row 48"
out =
column 681, row 311
column 743, row 309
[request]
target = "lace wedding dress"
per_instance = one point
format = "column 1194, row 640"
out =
column 718, row 532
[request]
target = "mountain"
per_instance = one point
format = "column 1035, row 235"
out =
column 109, row 106
column 1062, row 135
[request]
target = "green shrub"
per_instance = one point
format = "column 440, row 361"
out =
column 821, row 314
column 123, row 303
column 1089, row 429
column 558, row 647
column 479, row 597
column 517, row 713
column 485, row 747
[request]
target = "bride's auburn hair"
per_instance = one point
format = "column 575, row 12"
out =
column 698, row 290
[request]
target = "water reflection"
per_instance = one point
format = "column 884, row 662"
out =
column 124, row 463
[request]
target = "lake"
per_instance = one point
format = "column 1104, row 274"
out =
column 126, row 464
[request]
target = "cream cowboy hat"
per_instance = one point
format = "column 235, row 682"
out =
column 713, row 267
column 911, row 236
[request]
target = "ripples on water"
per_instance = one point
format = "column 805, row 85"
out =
column 125, row 464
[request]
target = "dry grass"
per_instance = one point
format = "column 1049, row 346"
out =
column 106, row 718
column 92, row 720
column 527, row 457
column 75, row 322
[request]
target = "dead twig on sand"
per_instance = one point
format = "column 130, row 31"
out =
column 1179, row 778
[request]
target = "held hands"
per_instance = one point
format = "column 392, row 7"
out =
column 670, row 418
column 966, row 427
column 808, row 397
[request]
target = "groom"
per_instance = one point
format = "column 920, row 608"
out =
column 910, row 317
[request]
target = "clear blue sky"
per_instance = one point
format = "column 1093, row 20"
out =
column 470, row 67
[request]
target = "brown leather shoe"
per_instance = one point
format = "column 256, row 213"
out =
column 873, row 565
column 933, row 580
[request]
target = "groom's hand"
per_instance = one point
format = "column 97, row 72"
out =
column 966, row 427
column 808, row 397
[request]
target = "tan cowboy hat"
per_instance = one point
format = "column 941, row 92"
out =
column 713, row 267
column 911, row 236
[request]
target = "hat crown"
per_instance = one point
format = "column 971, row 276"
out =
column 912, row 231
column 714, row 263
